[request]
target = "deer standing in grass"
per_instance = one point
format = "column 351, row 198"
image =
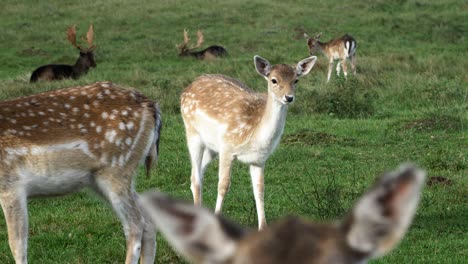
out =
column 58, row 142
column 337, row 49
column 206, row 54
column 223, row 116
column 375, row 225
column 81, row 67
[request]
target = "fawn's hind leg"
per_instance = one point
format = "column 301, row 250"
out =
column 15, row 209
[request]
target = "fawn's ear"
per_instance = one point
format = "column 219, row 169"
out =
column 196, row 233
column 262, row 66
column 305, row 65
column 309, row 40
column 382, row 216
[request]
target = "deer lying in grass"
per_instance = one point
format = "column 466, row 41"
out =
column 375, row 225
column 209, row 53
column 337, row 49
column 81, row 67
column 223, row 116
column 58, row 142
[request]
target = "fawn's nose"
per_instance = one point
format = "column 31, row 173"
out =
column 288, row 98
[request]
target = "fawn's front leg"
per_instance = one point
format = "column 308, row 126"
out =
column 224, row 181
column 257, row 175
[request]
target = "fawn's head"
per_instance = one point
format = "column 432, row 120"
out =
column 373, row 227
column 312, row 43
column 86, row 58
column 184, row 49
column 282, row 78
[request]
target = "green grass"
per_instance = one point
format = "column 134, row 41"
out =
column 408, row 102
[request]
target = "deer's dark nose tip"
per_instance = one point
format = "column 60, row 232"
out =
column 288, row 98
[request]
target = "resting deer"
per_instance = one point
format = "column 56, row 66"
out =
column 208, row 53
column 58, row 142
column 81, row 67
column 374, row 226
column 337, row 49
column 223, row 116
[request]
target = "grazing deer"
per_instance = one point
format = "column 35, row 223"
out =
column 58, row 142
column 374, row 226
column 223, row 116
column 206, row 54
column 336, row 49
column 52, row 72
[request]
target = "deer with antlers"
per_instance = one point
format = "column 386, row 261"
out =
column 61, row 141
column 341, row 49
column 206, row 54
column 375, row 225
column 223, row 116
column 81, row 67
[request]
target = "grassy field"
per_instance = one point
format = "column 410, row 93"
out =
column 407, row 103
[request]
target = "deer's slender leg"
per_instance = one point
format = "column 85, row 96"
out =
column 353, row 64
column 330, row 67
column 196, row 150
column 208, row 156
column 148, row 242
column 15, row 209
column 124, row 202
column 345, row 67
column 257, row 176
column 224, row 181
column 338, row 69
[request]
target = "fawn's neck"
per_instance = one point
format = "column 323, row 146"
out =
column 323, row 47
column 271, row 124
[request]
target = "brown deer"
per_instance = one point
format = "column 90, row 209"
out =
column 81, row 67
column 223, row 116
column 61, row 141
column 337, row 49
column 375, row 225
column 206, row 54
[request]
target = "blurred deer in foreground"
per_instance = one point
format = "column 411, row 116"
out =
column 206, row 54
column 81, row 67
column 337, row 49
column 61, row 141
column 375, row 225
column 223, row 116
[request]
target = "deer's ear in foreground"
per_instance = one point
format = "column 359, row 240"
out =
column 85, row 61
column 61, row 141
column 224, row 117
column 375, row 225
column 211, row 52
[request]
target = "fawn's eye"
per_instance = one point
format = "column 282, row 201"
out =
column 295, row 81
column 274, row 81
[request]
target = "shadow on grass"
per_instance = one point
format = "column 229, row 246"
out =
column 309, row 137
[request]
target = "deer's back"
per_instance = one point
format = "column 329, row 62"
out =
column 52, row 72
column 101, row 122
column 225, row 100
column 214, row 52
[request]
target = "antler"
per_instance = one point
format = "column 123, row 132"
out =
column 184, row 45
column 71, row 35
column 90, row 37
column 200, row 39
column 186, row 38
column 186, row 41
